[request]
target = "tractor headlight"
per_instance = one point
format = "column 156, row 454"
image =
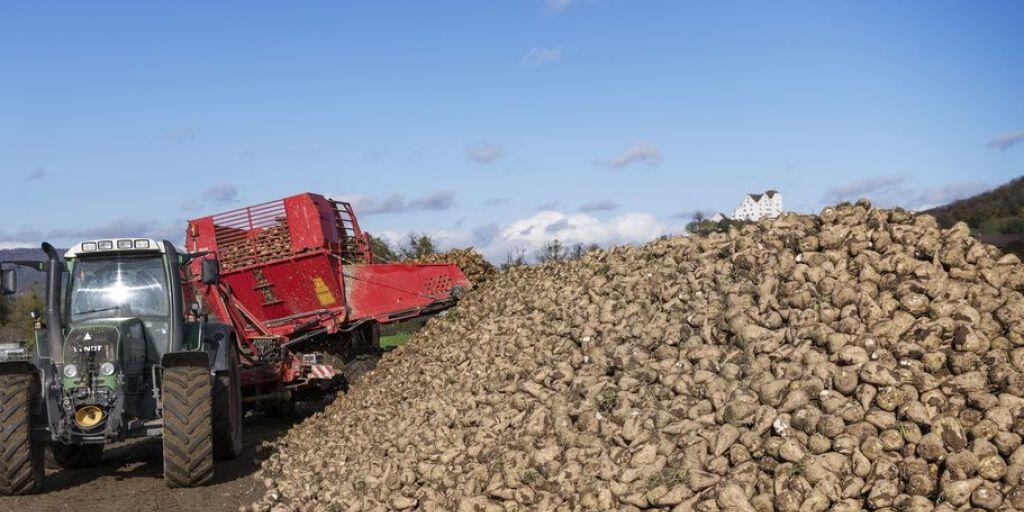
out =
column 107, row 369
column 70, row 371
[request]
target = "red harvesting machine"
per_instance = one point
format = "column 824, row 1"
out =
column 299, row 284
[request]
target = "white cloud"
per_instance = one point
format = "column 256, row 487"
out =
column 17, row 245
column 220, row 193
column 37, row 174
column 485, row 152
column 874, row 185
column 25, row 237
column 930, row 197
column 691, row 214
column 529, row 234
column 602, row 205
column 435, row 201
column 397, row 203
column 641, row 152
column 891, row 191
column 1006, row 140
column 542, row 56
column 497, row 201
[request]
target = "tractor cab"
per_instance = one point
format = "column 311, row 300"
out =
column 121, row 309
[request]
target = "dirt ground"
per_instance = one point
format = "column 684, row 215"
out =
column 130, row 477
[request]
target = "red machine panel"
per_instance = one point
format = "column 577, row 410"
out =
column 301, row 263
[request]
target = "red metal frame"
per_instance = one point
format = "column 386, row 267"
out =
column 302, row 264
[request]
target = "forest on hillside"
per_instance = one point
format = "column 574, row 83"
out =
column 999, row 211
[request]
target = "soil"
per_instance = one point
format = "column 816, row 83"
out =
column 130, row 477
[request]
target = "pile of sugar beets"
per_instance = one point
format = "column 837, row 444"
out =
column 473, row 264
column 860, row 359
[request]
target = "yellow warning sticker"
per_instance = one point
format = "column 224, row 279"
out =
column 323, row 292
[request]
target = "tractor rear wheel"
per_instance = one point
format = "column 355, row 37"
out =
column 21, row 457
column 74, row 456
column 365, row 355
column 227, row 409
column 354, row 370
column 188, row 429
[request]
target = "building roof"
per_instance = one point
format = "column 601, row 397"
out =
column 769, row 193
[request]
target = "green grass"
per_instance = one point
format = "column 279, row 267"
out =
column 394, row 340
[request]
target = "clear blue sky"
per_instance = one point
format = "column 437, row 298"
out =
column 495, row 122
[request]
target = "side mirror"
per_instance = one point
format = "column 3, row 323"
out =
column 210, row 271
column 8, row 282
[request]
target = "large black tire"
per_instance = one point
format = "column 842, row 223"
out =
column 227, row 409
column 280, row 410
column 21, row 457
column 188, row 429
column 354, row 370
column 75, row 456
column 365, row 353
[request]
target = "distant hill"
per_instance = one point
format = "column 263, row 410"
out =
column 999, row 211
column 995, row 217
column 28, row 279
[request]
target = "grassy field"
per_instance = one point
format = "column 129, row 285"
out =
column 396, row 334
column 394, row 340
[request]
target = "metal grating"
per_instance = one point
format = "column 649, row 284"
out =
column 252, row 236
column 352, row 244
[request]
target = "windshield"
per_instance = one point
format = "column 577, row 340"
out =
column 119, row 286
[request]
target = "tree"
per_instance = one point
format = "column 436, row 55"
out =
column 579, row 250
column 552, row 251
column 701, row 226
column 16, row 323
column 5, row 309
column 417, row 246
column 517, row 259
column 381, row 250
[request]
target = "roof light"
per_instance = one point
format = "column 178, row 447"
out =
column 124, row 244
column 105, row 245
column 89, row 246
column 142, row 244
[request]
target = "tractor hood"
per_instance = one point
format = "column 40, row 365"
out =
column 94, row 342
column 90, row 344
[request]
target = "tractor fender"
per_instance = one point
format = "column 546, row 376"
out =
column 192, row 358
column 216, row 340
column 17, row 367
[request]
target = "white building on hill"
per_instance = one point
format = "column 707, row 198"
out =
column 759, row 206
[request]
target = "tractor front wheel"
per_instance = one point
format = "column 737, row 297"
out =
column 21, row 457
column 74, row 456
column 188, row 429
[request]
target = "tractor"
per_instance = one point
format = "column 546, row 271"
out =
column 118, row 355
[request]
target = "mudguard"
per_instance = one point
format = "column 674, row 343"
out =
column 17, row 367
column 193, row 358
column 216, row 337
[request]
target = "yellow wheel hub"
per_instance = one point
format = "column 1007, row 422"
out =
column 88, row 416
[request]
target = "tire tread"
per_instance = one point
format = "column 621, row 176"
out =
column 21, row 458
column 188, row 429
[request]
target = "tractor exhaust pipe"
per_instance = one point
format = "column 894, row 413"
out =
column 54, row 322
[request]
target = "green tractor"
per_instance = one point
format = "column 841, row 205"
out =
column 120, row 354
